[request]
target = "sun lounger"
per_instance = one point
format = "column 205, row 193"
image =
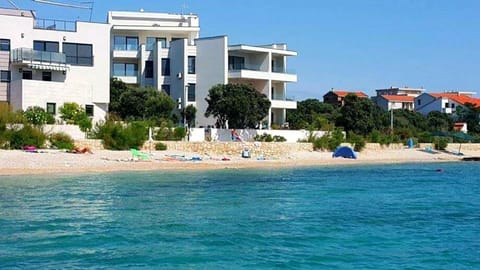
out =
column 139, row 155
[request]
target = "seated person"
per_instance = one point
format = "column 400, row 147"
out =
column 78, row 150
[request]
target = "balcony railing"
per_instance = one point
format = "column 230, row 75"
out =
column 29, row 55
column 244, row 67
column 57, row 25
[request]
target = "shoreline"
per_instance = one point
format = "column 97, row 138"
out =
column 51, row 162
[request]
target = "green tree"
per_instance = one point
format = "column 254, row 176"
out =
column 72, row 113
column 361, row 116
column 239, row 104
column 117, row 87
column 470, row 114
column 438, row 121
column 38, row 116
column 189, row 113
column 307, row 112
column 145, row 103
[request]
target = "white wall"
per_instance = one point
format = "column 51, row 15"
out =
column 224, row 135
column 212, row 65
column 197, row 135
column 72, row 130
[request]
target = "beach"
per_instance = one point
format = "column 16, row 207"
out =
column 16, row 162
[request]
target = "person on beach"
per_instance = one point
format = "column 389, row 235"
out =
column 235, row 136
column 84, row 150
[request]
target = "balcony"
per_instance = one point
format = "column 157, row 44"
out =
column 256, row 72
column 127, row 79
column 39, row 59
column 130, row 54
column 283, row 104
column 55, row 25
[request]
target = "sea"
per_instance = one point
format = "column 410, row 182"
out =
column 409, row 216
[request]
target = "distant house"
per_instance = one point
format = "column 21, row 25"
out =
column 460, row 127
column 443, row 102
column 400, row 91
column 336, row 97
column 389, row 102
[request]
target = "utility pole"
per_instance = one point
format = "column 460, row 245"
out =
column 391, row 118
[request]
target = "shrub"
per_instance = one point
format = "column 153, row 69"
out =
column 265, row 137
column 28, row 135
column 357, row 141
column 440, row 143
column 160, row 146
column 278, row 138
column 329, row 141
column 62, row 141
column 276, row 126
column 320, row 143
column 36, row 115
column 72, row 113
column 179, row 133
column 116, row 136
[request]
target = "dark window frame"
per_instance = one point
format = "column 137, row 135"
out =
column 8, row 76
column 47, row 76
column 124, row 46
column 76, row 59
column 124, row 72
column 191, row 92
column 54, row 108
column 27, row 75
column 192, row 64
column 149, row 69
column 166, row 88
column 165, row 66
column 4, row 44
column 45, row 45
column 89, row 110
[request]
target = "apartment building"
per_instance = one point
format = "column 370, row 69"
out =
column 446, row 102
column 337, row 97
column 397, row 98
column 164, row 51
column 46, row 63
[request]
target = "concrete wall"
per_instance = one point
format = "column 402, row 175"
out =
column 212, row 69
column 292, row 136
column 72, row 130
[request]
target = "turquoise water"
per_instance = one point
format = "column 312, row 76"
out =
column 373, row 217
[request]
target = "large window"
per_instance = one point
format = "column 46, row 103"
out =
column 165, row 67
column 191, row 92
column 47, row 76
column 148, row 69
column 191, row 65
column 236, row 62
column 5, row 76
column 27, row 74
column 46, row 46
column 78, row 54
column 152, row 40
column 123, row 43
column 125, row 70
column 166, row 88
column 4, row 44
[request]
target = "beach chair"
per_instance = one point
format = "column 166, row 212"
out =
column 139, row 155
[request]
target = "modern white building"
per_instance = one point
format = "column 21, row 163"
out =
column 446, row 102
column 164, row 51
column 389, row 102
column 47, row 63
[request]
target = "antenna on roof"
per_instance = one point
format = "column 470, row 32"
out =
column 81, row 5
column 13, row 4
column 184, row 7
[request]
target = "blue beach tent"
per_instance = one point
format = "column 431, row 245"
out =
column 345, row 152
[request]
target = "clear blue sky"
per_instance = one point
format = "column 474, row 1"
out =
column 342, row 44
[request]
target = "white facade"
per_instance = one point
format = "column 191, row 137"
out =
column 56, row 62
column 427, row 103
column 142, row 43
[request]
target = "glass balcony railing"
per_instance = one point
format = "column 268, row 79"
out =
column 29, row 55
column 57, row 25
column 244, row 67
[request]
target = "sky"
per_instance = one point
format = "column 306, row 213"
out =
column 341, row 44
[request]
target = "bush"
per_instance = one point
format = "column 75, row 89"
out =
column 265, row 137
column 160, row 146
column 276, row 126
column 36, row 115
column 116, row 136
column 62, row 141
column 440, row 143
column 166, row 132
column 357, row 141
column 278, row 138
column 336, row 138
column 179, row 133
column 72, row 113
column 27, row 136
column 321, row 143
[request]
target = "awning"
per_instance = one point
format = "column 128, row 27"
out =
column 48, row 67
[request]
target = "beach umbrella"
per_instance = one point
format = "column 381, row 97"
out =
column 462, row 137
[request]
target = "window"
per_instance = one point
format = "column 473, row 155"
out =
column 125, row 69
column 165, row 67
column 47, row 76
column 419, row 102
column 5, row 76
column 150, row 46
column 148, row 69
column 51, row 108
column 123, row 43
column 176, row 38
column 45, row 46
column 78, row 54
column 89, row 110
column 191, row 92
column 191, row 65
column 236, row 62
column 166, row 88
column 4, row 44
column 27, row 75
